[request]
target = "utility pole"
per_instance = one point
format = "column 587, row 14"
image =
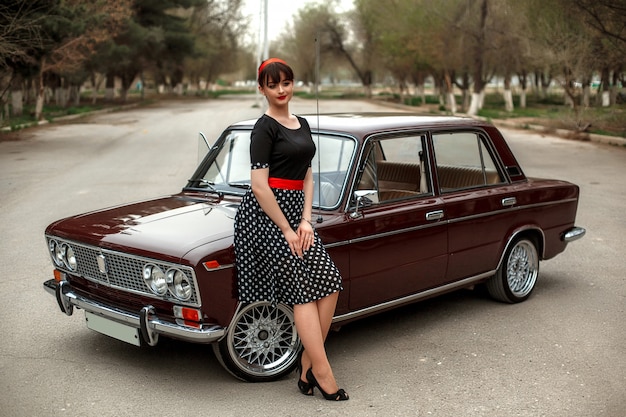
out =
column 263, row 45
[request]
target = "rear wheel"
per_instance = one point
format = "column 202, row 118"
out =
column 261, row 344
column 516, row 277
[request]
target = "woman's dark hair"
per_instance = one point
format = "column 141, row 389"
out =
column 270, row 70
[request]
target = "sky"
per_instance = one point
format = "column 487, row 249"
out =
column 280, row 12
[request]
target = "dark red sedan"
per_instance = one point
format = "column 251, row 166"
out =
column 409, row 207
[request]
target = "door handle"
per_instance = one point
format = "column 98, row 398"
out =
column 434, row 215
column 509, row 201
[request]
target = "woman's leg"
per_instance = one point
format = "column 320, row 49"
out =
column 313, row 324
column 326, row 310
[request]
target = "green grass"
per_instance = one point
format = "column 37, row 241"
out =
column 549, row 111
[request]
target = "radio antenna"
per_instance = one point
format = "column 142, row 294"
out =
column 320, row 219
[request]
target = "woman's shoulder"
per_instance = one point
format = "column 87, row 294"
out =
column 264, row 124
column 303, row 122
column 264, row 120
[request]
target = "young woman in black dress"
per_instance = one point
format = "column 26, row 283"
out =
column 280, row 258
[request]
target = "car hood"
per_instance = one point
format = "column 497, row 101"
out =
column 170, row 226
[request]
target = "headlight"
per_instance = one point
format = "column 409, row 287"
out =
column 69, row 258
column 155, row 279
column 55, row 251
column 62, row 254
column 179, row 284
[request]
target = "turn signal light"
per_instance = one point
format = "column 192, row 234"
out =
column 211, row 265
column 187, row 313
column 58, row 275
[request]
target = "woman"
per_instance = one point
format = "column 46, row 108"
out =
column 279, row 256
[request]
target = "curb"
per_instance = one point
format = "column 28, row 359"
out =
column 69, row 117
column 563, row 133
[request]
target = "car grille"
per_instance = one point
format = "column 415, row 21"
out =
column 123, row 271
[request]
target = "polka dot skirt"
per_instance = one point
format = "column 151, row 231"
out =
column 266, row 269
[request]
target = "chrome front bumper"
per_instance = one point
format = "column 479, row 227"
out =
column 145, row 320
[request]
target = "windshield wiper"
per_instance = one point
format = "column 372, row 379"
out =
column 242, row 185
column 208, row 185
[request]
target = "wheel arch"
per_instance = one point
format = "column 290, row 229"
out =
column 534, row 233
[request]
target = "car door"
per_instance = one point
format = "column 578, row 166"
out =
column 477, row 201
column 398, row 243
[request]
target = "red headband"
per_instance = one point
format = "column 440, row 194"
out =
column 270, row 61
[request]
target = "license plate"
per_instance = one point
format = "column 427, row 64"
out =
column 113, row 329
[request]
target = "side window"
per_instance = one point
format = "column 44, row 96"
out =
column 394, row 169
column 463, row 161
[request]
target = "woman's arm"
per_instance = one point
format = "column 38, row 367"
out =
column 305, row 229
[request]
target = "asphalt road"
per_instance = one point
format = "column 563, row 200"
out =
column 561, row 353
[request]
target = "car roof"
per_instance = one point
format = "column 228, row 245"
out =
column 364, row 124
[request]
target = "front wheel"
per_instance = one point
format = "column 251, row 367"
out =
column 516, row 277
column 261, row 344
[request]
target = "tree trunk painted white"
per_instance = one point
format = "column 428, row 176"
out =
column 40, row 93
column 422, row 94
column 61, row 96
column 16, row 102
column 606, row 98
column 76, row 95
column 109, row 93
column 481, row 99
column 522, row 99
column 451, row 102
column 508, row 100
column 474, row 105
column 39, row 106
column 367, row 90
column 614, row 95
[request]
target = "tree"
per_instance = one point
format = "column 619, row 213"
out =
column 74, row 30
column 21, row 37
column 606, row 18
column 156, row 38
column 218, row 27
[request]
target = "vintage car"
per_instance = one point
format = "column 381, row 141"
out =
column 408, row 206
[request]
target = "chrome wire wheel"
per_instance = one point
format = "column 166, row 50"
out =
column 517, row 274
column 522, row 268
column 261, row 343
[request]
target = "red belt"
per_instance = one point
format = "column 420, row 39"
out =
column 286, row 184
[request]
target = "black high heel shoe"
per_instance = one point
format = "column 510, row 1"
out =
column 305, row 387
column 340, row 395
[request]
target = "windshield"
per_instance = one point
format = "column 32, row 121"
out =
column 227, row 168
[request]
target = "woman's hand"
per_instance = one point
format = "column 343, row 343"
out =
column 306, row 234
column 294, row 241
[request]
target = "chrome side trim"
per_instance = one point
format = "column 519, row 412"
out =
column 207, row 333
column 514, row 208
column 573, row 234
column 413, row 298
column 386, row 234
column 445, row 222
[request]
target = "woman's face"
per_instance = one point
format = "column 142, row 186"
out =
column 278, row 93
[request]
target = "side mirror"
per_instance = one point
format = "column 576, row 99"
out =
column 361, row 198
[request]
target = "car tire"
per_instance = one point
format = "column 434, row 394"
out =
column 261, row 344
column 517, row 274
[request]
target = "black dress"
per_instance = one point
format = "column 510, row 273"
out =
column 266, row 269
